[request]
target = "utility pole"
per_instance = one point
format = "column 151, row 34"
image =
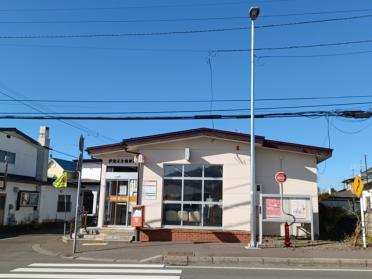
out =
column 253, row 14
column 78, row 170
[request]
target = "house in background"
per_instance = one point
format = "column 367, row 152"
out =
column 367, row 181
column 57, row 166
column 90, row 185
column 27, row 161
column 59, row 204
column 194, row 184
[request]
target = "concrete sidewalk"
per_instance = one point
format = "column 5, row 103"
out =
column 184, row 253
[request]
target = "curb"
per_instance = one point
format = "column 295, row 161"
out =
column 338, row 262
column 218, row 260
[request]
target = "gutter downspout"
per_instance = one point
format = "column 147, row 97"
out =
column 137, row 237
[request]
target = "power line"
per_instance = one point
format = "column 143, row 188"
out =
column 212, row 51
column 180, row 20
column 197, row 111
column 347, row 114
column 123, row 20
column 76, row 126
column 49, row 148
column 134, row 34
column 191, row 5
column 177, row 32
column 61, row 152
column 318, row 13
column 313, row 21
column 187, row 101
column 294, row 46
column 315, row 55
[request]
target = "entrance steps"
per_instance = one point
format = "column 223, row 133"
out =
column 107, row 234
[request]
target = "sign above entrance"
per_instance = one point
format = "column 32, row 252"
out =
column 120, row 161
column 280, row 177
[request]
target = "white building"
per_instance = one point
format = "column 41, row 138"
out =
column 59, row 204
column 27, row 170
column 194, row 184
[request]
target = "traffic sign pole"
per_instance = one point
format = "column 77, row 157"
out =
column 363, row 221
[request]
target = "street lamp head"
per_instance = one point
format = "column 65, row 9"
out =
column 254, row 12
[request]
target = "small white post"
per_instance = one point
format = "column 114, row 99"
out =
column 363, row 221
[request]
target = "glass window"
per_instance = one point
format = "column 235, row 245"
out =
column 212, row 190
column 192, row 190
column 172, row 170
column 193, row 171
column 10, row 157
column 212, row 215
column 192, row 195
column 172, row 190
column 192, row 214
column 213, row 171
column 172, row 214
column 64, row 203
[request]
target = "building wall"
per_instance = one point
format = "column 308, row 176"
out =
column 91, row 170
column 26, row 155
column 49, row 200
column 236, row 206
column 23, row 214
column 301, row 170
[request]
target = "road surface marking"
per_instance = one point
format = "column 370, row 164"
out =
column 97, row 265
column 98, row 270
column 83, row 276
column 95, row 244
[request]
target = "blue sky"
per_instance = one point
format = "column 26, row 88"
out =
column 175, row 68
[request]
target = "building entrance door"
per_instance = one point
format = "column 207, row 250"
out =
column 2, row 208
column 117, row 202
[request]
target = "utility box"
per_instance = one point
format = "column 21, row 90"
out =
column 138, row 216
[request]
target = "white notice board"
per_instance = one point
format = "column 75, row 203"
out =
column 149, row 190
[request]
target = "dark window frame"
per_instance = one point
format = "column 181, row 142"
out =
column 64, row 204
column 203, row 203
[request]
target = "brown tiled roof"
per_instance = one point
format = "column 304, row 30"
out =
column 321, row 152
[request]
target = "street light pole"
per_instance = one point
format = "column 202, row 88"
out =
column 253, row 13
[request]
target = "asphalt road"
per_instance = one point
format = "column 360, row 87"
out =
column 18, row 260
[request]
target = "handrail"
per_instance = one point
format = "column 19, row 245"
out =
column 84, row 222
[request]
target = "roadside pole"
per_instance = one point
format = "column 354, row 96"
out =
column 363, row 221
column 79, row 167
column 64, row 223
column 253, row 13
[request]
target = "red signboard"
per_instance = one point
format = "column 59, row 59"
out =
column 280, row 177
column 272, row 208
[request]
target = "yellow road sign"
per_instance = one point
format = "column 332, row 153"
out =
column 358, row 186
